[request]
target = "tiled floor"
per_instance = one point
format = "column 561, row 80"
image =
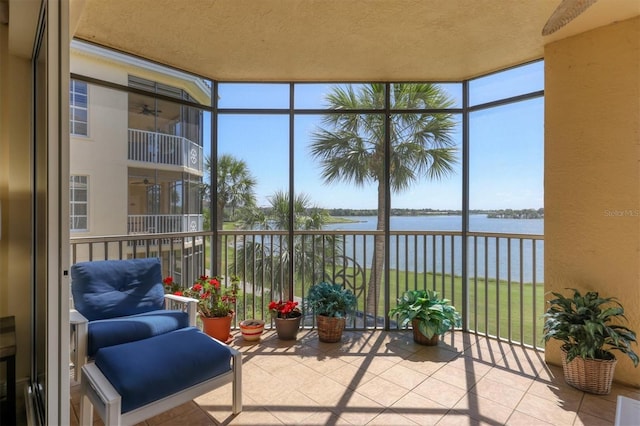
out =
column 380, row 378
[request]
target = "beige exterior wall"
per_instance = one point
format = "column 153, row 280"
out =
column 592, row 172
column 102, row 156
column 15, row 194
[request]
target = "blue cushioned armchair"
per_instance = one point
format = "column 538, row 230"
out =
column 122, row 301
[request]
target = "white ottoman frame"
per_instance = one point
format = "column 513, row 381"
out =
column 96, row 391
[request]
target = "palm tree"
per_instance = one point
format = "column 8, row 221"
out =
column 235, row 186
column 264, row 259
column 351, row 146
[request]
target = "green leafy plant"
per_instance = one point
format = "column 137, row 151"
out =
column 434, row 315
column 331, row 300
column 585, row 326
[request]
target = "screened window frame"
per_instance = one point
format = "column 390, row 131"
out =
column 74, row 106
column 74, row 180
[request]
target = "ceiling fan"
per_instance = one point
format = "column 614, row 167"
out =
column 145, row 182
column 566, row 11
column 147, row 110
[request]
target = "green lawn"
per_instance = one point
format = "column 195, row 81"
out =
column 489, row 303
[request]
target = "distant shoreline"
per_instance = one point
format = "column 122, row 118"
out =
column 342, row 215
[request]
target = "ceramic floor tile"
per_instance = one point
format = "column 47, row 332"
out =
column 390, row 418
column 520, row 419
column 422, row 411
column 483, row 409
column 457, row 377
column 599, row 406
column 440, row 392
column 404, row 376
column 381, row 378
column 584, row 419
column 382, row 391
column 509, row 378
column 498, row 392
column 547, row 411
column 324, row 364
column 326, row 392
column 293, row 407
column 357, row 409
column 557, row 391
column 471, row 365
column 351, row 376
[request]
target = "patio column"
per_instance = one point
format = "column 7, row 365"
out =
column 592, row 170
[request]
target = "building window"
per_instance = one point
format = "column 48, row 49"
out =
column 79, row 203
column 78, row 108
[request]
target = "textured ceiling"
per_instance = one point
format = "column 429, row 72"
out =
column 334, row 40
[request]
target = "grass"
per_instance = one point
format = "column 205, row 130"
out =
column 497, row 308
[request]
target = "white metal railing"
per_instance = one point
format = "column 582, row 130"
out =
column 495, row 280
column 164, row 223
column 153, row 147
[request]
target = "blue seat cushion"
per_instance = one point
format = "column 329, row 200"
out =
column 151, row 369
column 115, row 331
column 115, row 288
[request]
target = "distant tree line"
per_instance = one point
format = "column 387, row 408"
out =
column 516, row 214
column 394, row 212
column 493, row 214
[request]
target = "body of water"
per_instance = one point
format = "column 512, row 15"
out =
column 443, row 254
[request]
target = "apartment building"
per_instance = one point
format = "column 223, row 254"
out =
column 136, row 157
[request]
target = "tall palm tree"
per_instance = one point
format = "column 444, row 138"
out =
column 235, row 185
column 351, row 146
column 265, row 259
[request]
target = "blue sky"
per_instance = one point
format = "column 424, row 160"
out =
column 506, row 146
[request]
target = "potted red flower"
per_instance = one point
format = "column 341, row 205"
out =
column 216, row 302
column 286, row 316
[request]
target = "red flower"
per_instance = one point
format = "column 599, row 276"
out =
column 178, row 293
column 214, row 299
column 168, row 281
column 288, row 309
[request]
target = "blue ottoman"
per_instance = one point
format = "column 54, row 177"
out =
column 131, row 382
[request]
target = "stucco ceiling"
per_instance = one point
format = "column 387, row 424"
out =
column 334, row 40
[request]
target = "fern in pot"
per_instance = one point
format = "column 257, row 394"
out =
column 590, row 329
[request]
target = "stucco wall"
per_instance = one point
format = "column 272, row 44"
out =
column 592, row 179
column 15, row 181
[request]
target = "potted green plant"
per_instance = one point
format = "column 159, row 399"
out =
column 330, row 303
column 430, row 315
column 589, row 328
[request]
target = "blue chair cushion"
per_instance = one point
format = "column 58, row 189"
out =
column 151, row 369
column 115, row 331
column 115, row 288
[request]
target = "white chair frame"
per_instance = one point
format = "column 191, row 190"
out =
column 97, row 392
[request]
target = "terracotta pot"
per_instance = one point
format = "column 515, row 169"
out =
column 287, row 328
column 420, row 338
column 330, row 328
column 218, row 327
column 251, row 329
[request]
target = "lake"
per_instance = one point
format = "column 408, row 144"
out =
column 427, row 253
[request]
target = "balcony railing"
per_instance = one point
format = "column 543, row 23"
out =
column 494, row 280
column 152, row 147
column 164, row 223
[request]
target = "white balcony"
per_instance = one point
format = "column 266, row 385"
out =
column 164, row 223
column 160, row 148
